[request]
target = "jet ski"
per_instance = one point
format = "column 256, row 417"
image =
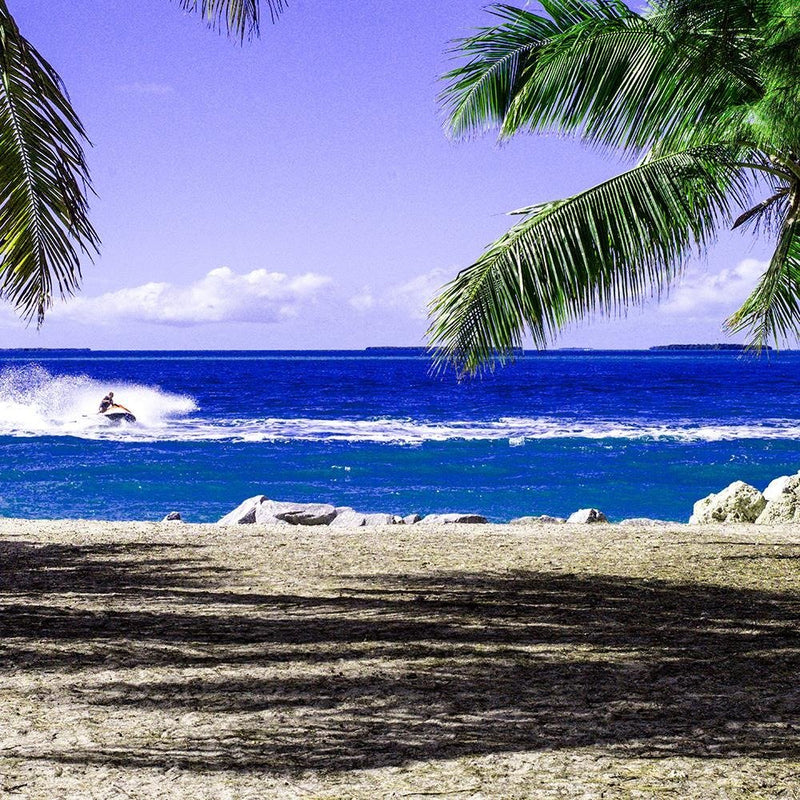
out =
column 116, row 414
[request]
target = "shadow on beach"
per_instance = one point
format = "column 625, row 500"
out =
column 384, row 669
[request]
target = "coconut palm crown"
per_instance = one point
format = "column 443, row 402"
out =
column 703, row 94
column 44, row 178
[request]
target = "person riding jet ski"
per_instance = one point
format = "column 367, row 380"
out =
column 114, row 411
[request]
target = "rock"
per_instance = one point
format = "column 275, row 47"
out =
column 643, row 522
column 348, row 518
column 378, row 519
column 738, row 502
column 310, row 514
column 397, row 520
column 585, row 516
column 244, row 513
column 448, row 519
column 412, row 519
column 542, row 519
column 271, row 511
column 173, row 516
column 784, row 506
column 776, row 487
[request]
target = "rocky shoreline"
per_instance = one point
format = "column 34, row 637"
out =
column 740, row 502
column 263, row 511
column 778, row 504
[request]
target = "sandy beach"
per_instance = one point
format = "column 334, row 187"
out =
column 169, row 660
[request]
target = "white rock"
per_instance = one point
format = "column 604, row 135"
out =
column 173, row 516
column 784, row 507
column 585, row 516
column 412, row 519
column 244, row 513
column 348, row 518
column 398, row 520
column 776, row 487
column 271, row 511
column 448, row 519
column 738, row 502
column 542, row 519
column 371, row 520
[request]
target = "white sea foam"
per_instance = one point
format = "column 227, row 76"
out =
column 516, row 431
column 35, row 403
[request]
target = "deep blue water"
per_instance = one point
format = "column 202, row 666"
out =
column 632, row 433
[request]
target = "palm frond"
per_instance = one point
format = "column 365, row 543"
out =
column 480, row 91
column 598, row 70
column 626, row 83
column 618, row 243
column 44, row 179
column 238, row 18
column 763, row 211
column 772, row 311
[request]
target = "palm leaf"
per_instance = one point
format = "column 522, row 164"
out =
column 599, row 70
column 618, row 243
column 239, row 18
column 763, row 211
column 480, row 92
column 43, row 179
column 772, row 311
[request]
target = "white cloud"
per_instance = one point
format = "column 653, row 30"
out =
column 414, row 296
column 157, row 89
column 363, row 301
column 410, row 297
column 722, row 291
column 220, row 296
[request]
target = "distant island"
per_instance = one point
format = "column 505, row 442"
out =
column 718, row 346
column 396, row 349
column 47, row 349
column 417, row 351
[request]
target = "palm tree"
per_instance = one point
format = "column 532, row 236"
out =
column 702, row 93
column 44, row 179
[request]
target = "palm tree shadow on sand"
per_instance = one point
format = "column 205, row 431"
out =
column 391, row 668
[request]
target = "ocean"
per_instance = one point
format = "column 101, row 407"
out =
column 633, row 433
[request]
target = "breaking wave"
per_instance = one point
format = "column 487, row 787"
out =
column 35, row 403
column 517, row 431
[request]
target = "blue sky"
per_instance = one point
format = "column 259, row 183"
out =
column 299, row 191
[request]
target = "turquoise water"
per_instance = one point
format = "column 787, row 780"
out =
column 633, row 433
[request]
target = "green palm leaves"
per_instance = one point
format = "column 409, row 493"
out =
column 44, row 178
column 240, row 18
column 697, row 89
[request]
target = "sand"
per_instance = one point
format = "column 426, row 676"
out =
column 193, row 661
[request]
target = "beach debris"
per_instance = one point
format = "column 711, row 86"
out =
column 587, row 516
column 738, row 502
column 448, row 519
column 244, row 513
column 542, row 519
column 173, row 516
column 782, row 506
